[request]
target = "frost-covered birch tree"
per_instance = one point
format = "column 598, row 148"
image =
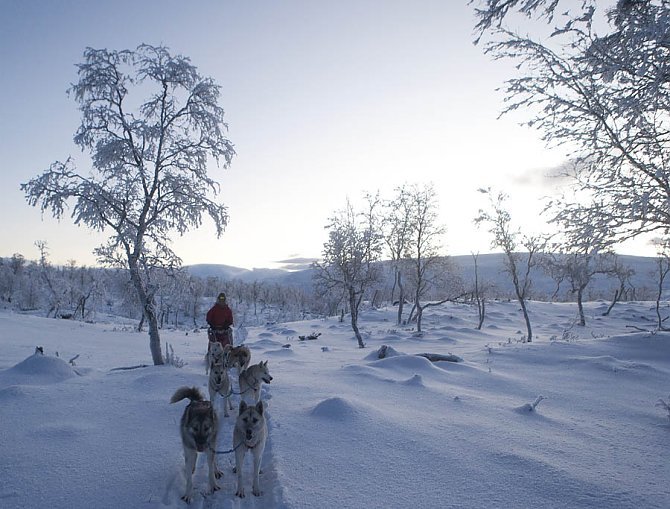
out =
column 479, row 290
column 424, row 243
column 595, row 77
column 52, row 283
column 519, row 266
column 578, row 269
column 578, row 256
column 662, row 272
column 623, row 273
column 397, row 231
column 11, row 277
column 150, row 123
column 348, row 266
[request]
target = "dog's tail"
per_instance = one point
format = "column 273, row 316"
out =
column 192, row 393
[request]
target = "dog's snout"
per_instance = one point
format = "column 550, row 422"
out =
column 250, row 434
column 200, row 443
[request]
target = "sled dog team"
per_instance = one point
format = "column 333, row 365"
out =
column 199, row 423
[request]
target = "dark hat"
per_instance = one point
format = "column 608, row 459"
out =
column 221, row 297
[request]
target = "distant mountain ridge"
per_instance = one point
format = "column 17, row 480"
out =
column 230, row 272
column 227, row 273
column 490, row 267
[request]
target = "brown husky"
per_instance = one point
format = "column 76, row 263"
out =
column 198, row 428
column 237, row 357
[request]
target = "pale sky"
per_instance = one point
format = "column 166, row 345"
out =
column 324, row 100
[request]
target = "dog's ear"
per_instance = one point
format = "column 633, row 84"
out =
column 266, row 364
column 243, row 406
column 260, row 407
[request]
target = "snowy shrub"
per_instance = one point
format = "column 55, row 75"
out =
column 171, row 358
column 530, row 407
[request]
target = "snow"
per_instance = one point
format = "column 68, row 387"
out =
column 347, row 429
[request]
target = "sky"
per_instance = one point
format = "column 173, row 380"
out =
column 324, row 101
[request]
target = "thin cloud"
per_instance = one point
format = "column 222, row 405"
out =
column 297, row 263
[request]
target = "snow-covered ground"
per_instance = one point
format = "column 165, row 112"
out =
column 346, row 429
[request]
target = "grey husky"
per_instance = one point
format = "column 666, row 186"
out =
column 219, row 383
column 199, row 427
column 215, row 355
column 251, row 378
column 250, row 434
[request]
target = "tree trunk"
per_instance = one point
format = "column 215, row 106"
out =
column 374, row 299
column 662, row 271
column 411, row 316
column 149, row 310
column 527, row 319
column 419, row 309
column 481, row 309
column 481, row 305
column 580, row 307
column 617, row 295
column 419, row 317
column 354, row 317
column 401, row 298
column 154, row 336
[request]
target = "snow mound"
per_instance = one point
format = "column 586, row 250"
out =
column 609, row 363
column 287, row 332
column 264, row 343
column 335, row 408
column 392, row 337
column 150, row 378
column 414, row 381
column 397, row 369
column 388, row 351
column 405, row 362
column 14, row 392
column 282, row 352
column 40, row 369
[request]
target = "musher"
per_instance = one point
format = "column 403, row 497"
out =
column 220, row 320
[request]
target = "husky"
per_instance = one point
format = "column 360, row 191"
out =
column 215, row 355
column 199, row 427
column 251, row 378
column 219, row 383
column 250, row 434
column 237, row 357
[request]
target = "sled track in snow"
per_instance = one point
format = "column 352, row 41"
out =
column 272, row 497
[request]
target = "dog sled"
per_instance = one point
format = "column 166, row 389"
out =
column 223, row 335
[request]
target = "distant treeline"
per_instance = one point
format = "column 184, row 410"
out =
column 182, row 299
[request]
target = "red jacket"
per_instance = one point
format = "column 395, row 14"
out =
column 220, row 316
